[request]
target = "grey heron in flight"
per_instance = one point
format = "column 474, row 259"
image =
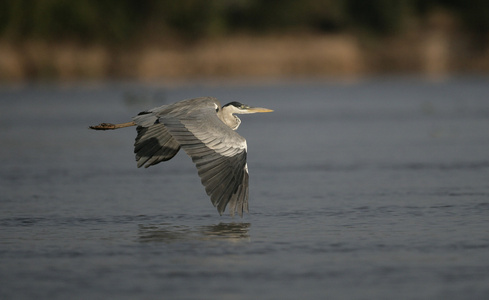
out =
column 205, row 131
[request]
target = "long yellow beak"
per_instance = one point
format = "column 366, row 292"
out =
column 259, row 110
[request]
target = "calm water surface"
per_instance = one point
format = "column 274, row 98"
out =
column 377, row 189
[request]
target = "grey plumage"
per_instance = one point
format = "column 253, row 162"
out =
column 205, row 131
column 153, row 145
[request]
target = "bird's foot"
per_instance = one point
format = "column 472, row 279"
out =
column 103, row 126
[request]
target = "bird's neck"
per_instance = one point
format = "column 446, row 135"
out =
column 230, row 120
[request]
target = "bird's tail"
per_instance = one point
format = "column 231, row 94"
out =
column 110, row 126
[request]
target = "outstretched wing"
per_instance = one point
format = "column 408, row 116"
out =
column 218, row 152
column 154, row 143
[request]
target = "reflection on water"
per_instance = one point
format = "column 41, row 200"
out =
column 167, row 232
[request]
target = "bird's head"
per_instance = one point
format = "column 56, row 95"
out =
column 240, row 108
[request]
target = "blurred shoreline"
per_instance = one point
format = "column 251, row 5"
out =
column 434, row 53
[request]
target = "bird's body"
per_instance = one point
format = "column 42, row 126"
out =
column 205, row 131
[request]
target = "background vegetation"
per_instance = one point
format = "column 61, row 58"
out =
column 120, row 21
column 121, row 24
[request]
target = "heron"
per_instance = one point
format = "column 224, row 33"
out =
column 205, row 130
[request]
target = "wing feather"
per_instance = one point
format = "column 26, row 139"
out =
column 153, row 145
column 218, row 152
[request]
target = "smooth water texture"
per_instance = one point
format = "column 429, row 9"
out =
column 376, row 189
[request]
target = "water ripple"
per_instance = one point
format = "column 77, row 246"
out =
column 168, row 232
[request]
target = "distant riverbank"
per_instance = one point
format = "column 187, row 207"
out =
column 432, row 53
